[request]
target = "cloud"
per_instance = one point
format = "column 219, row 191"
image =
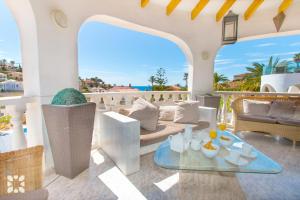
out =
column 257, row 60
column 228, row 67
column 254, row 54
column 95, row 71
column 223, row 61
column 266, row 44
column 285, row 53
column 294, row 44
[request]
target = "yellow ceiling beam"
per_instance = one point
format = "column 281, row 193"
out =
column 171, row 6
column 144, row 3
column 284, row 5
column 198, row 8
column 223, row 10
column 252, row 8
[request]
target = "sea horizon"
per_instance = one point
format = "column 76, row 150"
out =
column 143, row 87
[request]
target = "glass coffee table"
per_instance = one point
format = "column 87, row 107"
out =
column 195, row 160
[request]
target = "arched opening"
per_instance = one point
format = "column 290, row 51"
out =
column 240, row 67
column 267, row 88
column 10, row 55
column 294, row 89
column 111, row 43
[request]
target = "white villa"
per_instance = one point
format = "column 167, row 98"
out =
column 260, row 161
column 11, row 85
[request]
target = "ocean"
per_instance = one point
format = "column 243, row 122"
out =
column 143, row 88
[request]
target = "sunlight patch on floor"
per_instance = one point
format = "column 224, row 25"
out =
column 168, row 182
column 97, row 157
column 119, row 184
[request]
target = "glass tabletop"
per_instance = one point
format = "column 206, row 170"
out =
column 195, row 160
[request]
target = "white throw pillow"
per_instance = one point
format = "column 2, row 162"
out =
column 297, row 113
column 187, row 112
column 167, row 113
column 253, row 107
column 146, row 113
column 282, row 109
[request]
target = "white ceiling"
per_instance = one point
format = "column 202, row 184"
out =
column 213, row 6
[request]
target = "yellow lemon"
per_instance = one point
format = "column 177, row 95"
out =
column 222, row 126
column 213, row 134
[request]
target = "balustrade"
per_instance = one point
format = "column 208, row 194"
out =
column 116, row 100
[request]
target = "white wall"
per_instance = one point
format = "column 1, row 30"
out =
column 280, row 82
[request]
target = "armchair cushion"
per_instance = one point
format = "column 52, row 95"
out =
column 146, row 113
column 257, row 118
column 283, row 109
column 167, row 113
column 187, row 112
column 297, row 113
column 290, row 122
column 164, row 129
column 258, row 108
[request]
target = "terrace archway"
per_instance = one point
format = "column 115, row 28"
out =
column 181, row 44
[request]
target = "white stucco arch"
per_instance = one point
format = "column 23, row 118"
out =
column 25, row 19
column 267, row 88
column 182, row 45
column 294, row 89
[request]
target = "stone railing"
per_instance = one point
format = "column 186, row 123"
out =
column 225, row 113
column 16, row 108
column 115, row 100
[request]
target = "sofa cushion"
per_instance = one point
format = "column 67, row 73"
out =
column 40, row 194
column 282, row 109
column 167, row 113
column 164, row 129
column 253, row 107
column 296, row 113
column 146, row 113
column 290, row 122
column 257, row 118
column 187, row 112
column 124, row 111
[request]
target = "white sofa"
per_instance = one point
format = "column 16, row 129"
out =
column 122, row 139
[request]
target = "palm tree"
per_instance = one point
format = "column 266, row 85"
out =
column 4, row 62
column 275, row 66
column 152, row 80
column 297, row 59
column 253, row 78
column 219, row 78
column 185, row 78
column 12, row 63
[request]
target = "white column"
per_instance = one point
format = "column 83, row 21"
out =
column 18, row 137
column 224, row 109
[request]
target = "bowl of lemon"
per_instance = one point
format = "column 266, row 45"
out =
column 209, row 149
column 226, row 141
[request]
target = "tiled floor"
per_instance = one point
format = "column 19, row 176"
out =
column 104, row 181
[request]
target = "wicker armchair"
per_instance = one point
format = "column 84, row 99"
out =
column 21, row 170
column 287, row 131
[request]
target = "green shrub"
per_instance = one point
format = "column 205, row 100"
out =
column 68, row 96
column 5, row 119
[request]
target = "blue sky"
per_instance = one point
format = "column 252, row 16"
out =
column 120, row 56
column 9, row 35
column 233, row 59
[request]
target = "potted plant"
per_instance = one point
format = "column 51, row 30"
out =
column 69, row 121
